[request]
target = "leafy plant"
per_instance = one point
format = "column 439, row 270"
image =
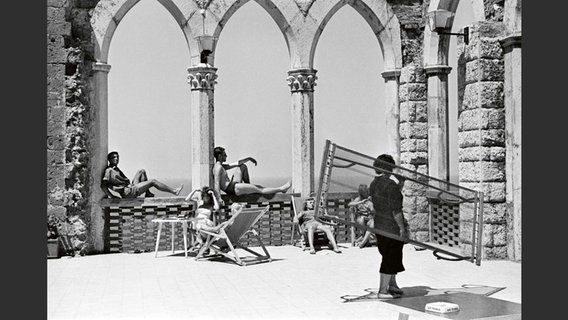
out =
column 53, row 226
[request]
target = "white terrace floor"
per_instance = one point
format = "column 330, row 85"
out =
column 295, row 285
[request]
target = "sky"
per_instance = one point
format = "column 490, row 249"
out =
column 149, row 98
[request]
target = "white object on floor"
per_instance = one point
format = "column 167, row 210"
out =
column 442, row 307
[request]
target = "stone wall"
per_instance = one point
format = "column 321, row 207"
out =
column 69, row 57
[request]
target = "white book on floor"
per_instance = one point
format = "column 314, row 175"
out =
column 442, row 307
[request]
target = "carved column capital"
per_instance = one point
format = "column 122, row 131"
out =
column 393, row 74
column 101, row 66
column 302, row 79
column 437, row 69
column 202, row 77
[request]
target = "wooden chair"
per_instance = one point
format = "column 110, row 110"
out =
column 227, row 240
column 320, row 239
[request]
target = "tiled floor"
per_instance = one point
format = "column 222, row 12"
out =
column 295, row 285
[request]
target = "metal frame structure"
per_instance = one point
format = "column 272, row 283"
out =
column 329, row 161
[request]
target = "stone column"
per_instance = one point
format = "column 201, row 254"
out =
column 414, row 146
column 202, row 80
column 481, row 134
column 99, row 151
column 438, row 137
column 302, row 82
column 513, row 173
column 392, row 113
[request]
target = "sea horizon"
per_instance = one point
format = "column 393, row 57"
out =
column 344, row 186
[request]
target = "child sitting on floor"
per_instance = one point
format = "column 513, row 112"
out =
column 364, row 211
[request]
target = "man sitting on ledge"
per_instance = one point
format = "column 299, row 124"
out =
column 239, row 184
column 115, row 182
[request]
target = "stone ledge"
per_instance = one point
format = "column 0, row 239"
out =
column 251, row 198
column 137, row 202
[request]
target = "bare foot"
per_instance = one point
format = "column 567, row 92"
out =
column 178, row 190
column 286, row 186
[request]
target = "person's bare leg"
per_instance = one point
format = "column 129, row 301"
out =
column 330, row 237
column 141, row 176
column 361, row 221
column 365, row 239
column 146, row 185
column 246, row 188
column 311, row 240
column 384, row 281
column 241, row 174
column 367, row 235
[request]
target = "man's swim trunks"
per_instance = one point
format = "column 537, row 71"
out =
column 130, row 191
column 230, row 188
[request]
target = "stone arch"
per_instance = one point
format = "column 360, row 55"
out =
column 273, row 11
column 108, row 14
column 436, row 48
column 383, row 22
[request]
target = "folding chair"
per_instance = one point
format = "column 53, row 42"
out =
column 320, row 239
column 226, row 241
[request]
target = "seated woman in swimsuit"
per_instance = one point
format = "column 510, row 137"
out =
column 311, row 224
column 206, row 205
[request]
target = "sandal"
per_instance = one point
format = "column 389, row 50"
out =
column 395, row 290
column 385, row 296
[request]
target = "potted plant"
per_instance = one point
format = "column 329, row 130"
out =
column 53, row 224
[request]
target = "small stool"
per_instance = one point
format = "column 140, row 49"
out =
column 173, row 221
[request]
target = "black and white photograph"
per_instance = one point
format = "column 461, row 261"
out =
column 284, row 159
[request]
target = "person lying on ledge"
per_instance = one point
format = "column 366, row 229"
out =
column 239, row 184
column 310, row 224
column 115, row 184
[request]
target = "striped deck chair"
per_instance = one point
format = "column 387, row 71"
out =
column 226, row 241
